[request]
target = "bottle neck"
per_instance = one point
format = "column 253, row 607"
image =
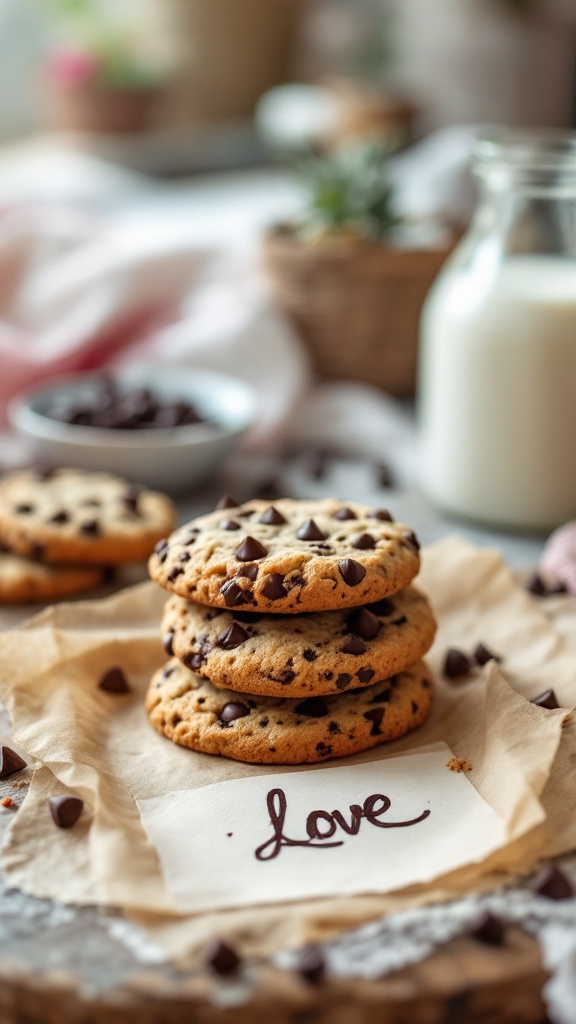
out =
column 526, row 220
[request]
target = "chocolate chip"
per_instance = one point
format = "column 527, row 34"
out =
column 195, row 660
column 382, row 514
column 10, row 762
column 351, row 571
column 547, row 700
column 411, row 539
column 131, row 498
column 114, row 681
column 229, row 524
column 375, row 716
column 91, row 528
column 65, row 810
column 354, row 645
column 344, row 513
column 273, row 587
column 415, row 708
column 552, row 883
column 456, row 663
column 310, row 964
column 272, row 517
column 487, row 928
column 537, row 586
column 309, row 654
column 231, row 637
column 233, row 710
column 383, row 607
column 174, row 574
column 232, row 593
column 250, row 549
column 364, row 675
column 222, row 958
column 227, row 501
column 363, row 624
column 249, row 572
column 482, row 655
column 312, row 707
column 168, row 643
column 161, row 547
column 184, row 556
column 24, row 509
column 59, row 517
column 342, row 680
column 363, row 541
column 309, row 531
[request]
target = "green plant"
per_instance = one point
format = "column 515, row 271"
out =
column 349, row 192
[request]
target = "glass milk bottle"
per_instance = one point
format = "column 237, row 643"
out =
column 497, row 377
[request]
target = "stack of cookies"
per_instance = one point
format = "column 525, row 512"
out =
column 62, row 529
column 293, row 632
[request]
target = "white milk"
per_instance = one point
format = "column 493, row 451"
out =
column 498, row 392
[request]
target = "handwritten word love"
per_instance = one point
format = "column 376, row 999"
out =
column 322, row 825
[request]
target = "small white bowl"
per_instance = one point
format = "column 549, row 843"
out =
column 168, row 459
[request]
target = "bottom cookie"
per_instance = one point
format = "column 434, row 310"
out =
column 23, row 581
column 188, row 710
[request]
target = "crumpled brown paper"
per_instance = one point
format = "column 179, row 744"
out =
column 102, row 747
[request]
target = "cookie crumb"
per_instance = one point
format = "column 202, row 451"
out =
column 8, row 802
column 459, row 764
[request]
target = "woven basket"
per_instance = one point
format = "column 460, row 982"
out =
column 356, row 304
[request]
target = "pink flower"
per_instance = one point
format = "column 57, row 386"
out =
column 73, row 67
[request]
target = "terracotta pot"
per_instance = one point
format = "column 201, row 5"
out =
column 93, row 109
column 356, row 304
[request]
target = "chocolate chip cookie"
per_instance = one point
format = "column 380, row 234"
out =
column 274, row 730
column 299, row 655
column 293, row 557
column 74, row 516
column 23, row 581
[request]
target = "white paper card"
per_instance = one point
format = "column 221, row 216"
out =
column 372, row 827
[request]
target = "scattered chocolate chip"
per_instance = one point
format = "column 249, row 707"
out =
column 168, row 643
column 250, row 572
column 363, row 624
column 10, row 762
column 411, row 539
column 363, row 541
column 222, row 958
column 184, row 556
column 344, row 513
column 482, row 655
column 552, row 883
column 227, row 501
column 537, row 586
column 547, row 700
column 310, row 964
column 273, row 587
column 233, row 710
column 354, row 645
column 24, row 509
column 351, row 571
column 342, row 680
column 384, row 475
column 456, row 663
column 272, row 517
column 250, row 549
column 114, row 681
column 309, row 654
column 131, row 498
column 65, row 810
column 400, row 621
column 232, row 593
column 487, row 928
column 375, row 716
column 309, row 531
column 161, row 547
column 174, row 573
column 312, row 707
column 195, row 660
column 382, row 514
column 91, row 528
column 229, row 524
column 59, row 517
column 231, row 637
column 383, row 607
column 364, row 675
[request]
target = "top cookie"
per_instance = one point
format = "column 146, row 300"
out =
column 293, row 556
column 74, row 516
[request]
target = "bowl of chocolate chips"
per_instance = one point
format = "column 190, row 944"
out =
column 167, row 427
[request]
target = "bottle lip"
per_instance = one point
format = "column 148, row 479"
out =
column 528, row 149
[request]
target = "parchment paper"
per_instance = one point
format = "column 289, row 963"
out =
column 101, row 746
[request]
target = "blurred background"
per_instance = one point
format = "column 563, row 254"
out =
column 266, row 188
